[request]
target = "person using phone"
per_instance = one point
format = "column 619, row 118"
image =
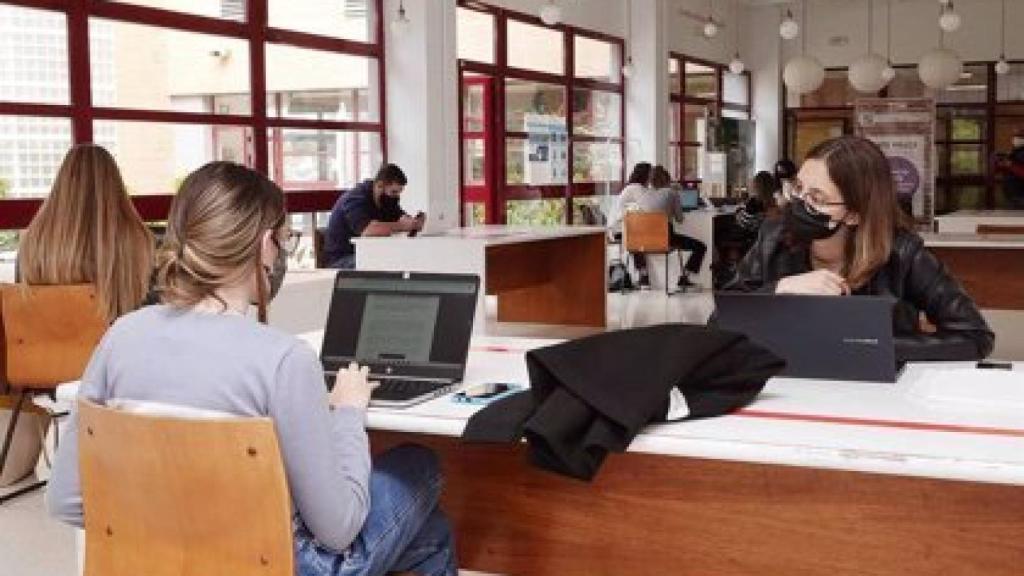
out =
column 371, row 208
column 843, row 233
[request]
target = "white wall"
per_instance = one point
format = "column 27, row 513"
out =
column 606, row 16
column 685, row 35
column 422, row 108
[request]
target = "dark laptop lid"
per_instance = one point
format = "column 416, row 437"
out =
column 401, row 324
column 827, row 337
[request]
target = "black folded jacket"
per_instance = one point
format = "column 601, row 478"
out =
column 593, row 395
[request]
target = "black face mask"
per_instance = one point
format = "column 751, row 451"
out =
column 807, row 226
column 388, row 202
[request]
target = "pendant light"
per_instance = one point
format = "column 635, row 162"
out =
column 804, row 73
column 550, row 13
column 941, row 67
column 949, row 20
column 400, row 25
column 789, row 29
column 736, row 66
column 865, row 74
column 627, row 67
column 1002, row 67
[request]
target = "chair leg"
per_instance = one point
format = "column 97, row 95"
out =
column 11, row 426
column 23, row 490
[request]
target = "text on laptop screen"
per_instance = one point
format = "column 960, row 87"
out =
column 400, row 321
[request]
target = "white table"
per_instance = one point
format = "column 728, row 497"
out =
column 555, row 275
column 815, row 477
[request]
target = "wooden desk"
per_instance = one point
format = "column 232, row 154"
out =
column 817, row 477
column 540, row 275
column 991, row 267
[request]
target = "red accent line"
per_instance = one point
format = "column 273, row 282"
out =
column 852, row 421
column 500, row 349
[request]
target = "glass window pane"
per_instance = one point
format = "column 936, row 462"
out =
column 596, row 59
column 33, row 56
column 966, row 159
column 542, row 159
column 346, row 19
column 1010, row 88
column 972, row 86
column 541, row 212
column 327, row 86
column 691, row 162
column 967, row 125
column 155, row 157
column 596, row 210
column 532, row 102
column 474, row 33
column 966, row 198
column 701, row 81
column 31, row 150
column 1009, row 121
column 474, row 162
column 474, row 112
column 535, row 48
column 476, row 213
column 694, row 122
column 226, row 9
column 735, row 88
column 673, row 162
column 597, row 113
column 597, row 162
column 674, row 77
column 322, row 159
column 160, row 69
column 673, row 121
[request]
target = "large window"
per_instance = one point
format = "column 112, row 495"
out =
column 292, row 88
column 699, row 91
column 541, row 109
column 975, row 118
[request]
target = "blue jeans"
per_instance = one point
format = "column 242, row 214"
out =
column 405, row 530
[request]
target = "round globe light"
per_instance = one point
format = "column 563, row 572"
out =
column 865, row 73
column 803, row 74
column 940, row 68
column 950, row 21
column 710, row 29
column 1002, row 67
column 789, row 29
column 736, row 66
column 627, row 68
column 400, row 25
column 550, row 14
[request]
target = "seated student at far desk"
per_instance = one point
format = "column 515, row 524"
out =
column 844, row 233
column 369, row 209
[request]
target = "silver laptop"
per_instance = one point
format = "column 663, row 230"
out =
column 825, row 337
column 412, row 330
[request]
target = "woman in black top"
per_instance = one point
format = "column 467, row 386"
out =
column 843, row 233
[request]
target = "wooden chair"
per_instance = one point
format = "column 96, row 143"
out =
column 647, row 233
column 172, row 496
column 47, row 335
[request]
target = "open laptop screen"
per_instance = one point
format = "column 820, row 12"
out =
column 411, row 324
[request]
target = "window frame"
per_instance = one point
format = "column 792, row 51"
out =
column 255, row 30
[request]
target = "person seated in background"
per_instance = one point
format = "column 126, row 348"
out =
column 758, row 206
column 227, row 247
column 88, row 232
column 371, row 208
column 636, row 187
column 1012, row 167
column 663, row 198
column 785, row 176
column 843, row 233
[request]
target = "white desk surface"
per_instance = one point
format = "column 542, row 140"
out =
column 968, row 240
column 864, row 427
column 494, row 235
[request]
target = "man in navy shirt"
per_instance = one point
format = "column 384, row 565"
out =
column 369, row 209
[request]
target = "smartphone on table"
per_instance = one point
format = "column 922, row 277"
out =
column 485, row 393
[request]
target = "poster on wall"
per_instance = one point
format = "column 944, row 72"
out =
column 904, row 129
column 547, row 150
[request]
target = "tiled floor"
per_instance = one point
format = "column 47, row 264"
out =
column 31, row 544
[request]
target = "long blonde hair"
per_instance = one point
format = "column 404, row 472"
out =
column 88, row 232
column 214, row 234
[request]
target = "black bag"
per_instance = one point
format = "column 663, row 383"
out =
column 618, row 277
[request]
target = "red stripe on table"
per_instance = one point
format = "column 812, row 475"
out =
column 924, row 426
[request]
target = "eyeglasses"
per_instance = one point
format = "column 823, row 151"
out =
column 291, row 242
column 815, row 199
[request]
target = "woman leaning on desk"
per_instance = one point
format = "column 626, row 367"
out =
column 843, row 233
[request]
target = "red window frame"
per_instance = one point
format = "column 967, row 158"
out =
column 17, row 213
column 500, row 71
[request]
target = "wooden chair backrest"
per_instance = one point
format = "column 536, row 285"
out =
column 1000, row 229
column 170, row 496
column 646, row 232
column 47, row 333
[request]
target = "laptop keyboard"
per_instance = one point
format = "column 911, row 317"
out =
column 397, row 390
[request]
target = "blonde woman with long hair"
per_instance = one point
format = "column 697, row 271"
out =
column 225, row 250
column 88, row 232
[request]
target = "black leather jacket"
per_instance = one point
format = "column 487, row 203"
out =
column 913, row 275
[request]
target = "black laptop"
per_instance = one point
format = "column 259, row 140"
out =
column 412, row 330
column 825, row 337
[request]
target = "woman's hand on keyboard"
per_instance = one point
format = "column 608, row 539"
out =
column 352, row 388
